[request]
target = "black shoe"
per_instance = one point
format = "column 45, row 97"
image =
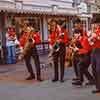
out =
column 62, row 81
column 30, row 78
column 39, row 79
column 54, row 80
column 89, row 83
column 78, row 83
column 75, row 79
column 96, row 91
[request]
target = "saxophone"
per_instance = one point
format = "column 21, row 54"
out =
column 55, row 47
column 71, row 52
column 26, row 47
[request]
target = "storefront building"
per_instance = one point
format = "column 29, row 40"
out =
column 17, row 13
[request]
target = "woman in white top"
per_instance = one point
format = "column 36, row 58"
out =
column 11, row 46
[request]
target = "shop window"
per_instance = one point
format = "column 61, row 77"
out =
column 20, row 24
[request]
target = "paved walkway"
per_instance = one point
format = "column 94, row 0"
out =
column 13, row 85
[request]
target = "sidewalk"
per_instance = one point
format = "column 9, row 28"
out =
column 19, row 72
column 13, row 85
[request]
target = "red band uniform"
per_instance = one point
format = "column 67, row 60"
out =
column 32, row 53
column 84, row 61
column 75, row 58
column 53, row 36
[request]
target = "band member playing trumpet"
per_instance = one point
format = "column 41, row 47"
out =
column 33, row 38
column 58, row 39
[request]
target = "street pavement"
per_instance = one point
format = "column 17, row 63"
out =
column 13, row 85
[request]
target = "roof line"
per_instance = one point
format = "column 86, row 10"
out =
column 62, row 1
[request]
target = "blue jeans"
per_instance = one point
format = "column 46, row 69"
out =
column 11, row 54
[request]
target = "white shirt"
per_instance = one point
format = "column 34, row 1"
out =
column 9, row 41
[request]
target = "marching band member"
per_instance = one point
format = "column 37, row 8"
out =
column 58, row 39
column 95, row 56
column 34, row 38
column 77, row 26
column 84, row 60
column 11, row 45
column 75, row 55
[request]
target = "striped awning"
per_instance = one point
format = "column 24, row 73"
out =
column 36, row 9
column 49, row 10
column 37, row 12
